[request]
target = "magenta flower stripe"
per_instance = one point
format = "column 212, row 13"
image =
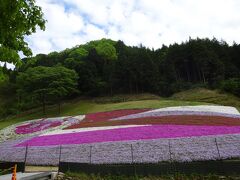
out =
column 132, row 133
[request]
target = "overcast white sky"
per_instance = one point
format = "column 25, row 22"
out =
column 150, row 22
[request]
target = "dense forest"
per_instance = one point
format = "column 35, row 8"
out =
column 107, row 67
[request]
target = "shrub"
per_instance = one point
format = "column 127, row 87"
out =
column 231, row 86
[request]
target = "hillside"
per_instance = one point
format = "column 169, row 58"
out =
column 208, row 96
column 128, row 129
column 89, row 105
column 83, row 106
column 106, row 67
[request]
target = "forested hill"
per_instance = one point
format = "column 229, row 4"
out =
column 106, row 67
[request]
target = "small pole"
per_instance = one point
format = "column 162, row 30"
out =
column 169, row 147
column 172, row 164
column 60, row 154
column 90, row 155
column 59, row 159
column 25, row 159
column 217, row 148
column 132, row 153
column 135, row 173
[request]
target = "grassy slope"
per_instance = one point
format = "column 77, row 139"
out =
column 209, row 96
column 80, row 106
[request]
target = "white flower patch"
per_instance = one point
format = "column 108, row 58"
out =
column 151, row 151
column 111, row 153
column 76, row 153
column 193, row 149
column 226, row 111
column 10, row 154
column 229, row 146
column 43, row 155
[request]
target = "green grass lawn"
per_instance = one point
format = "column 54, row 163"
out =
column 83, row 106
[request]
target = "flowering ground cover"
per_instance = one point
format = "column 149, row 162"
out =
column 37, row 126
column 191, row 115
column 170, row 119
column 132, row 136
column 143, row 151
column 100, row 116
column 105, row 116
column 177, row 120
column 225, row 111
column 87, row 129
column 131, row 133
column 42, row 124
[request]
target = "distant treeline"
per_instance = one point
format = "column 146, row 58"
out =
column 107, row 67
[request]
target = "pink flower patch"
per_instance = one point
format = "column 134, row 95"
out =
column 132, row 133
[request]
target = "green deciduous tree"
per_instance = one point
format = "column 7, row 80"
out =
column 106, row 50
column 47, row 84
column 18, row 18
column 78, row 53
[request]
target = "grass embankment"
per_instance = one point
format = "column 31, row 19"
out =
column 83, row 106
column 82, row 176
column 208, row 96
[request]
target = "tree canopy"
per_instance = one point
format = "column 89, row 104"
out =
column 106, row 67
column 18, row 18
column 47, row 83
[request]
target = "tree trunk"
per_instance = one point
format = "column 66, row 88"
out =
column 204, row 80
column 111, row 90
column 44, row 104
column 187, row 71
column 44, row 107
column 136, row 85
column 130, row 85
column 199, row 74
column 59, row 107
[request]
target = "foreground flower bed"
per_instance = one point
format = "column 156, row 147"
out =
column 143, row 151
column 132, row 136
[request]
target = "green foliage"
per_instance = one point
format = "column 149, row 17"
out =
column 18, row 18
column 208, row 96
column 109, row 67
column 2, row 76
column 106, row 67
column 78, row 53
column 106, row 50
column 46, row 83
column 231, row 86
